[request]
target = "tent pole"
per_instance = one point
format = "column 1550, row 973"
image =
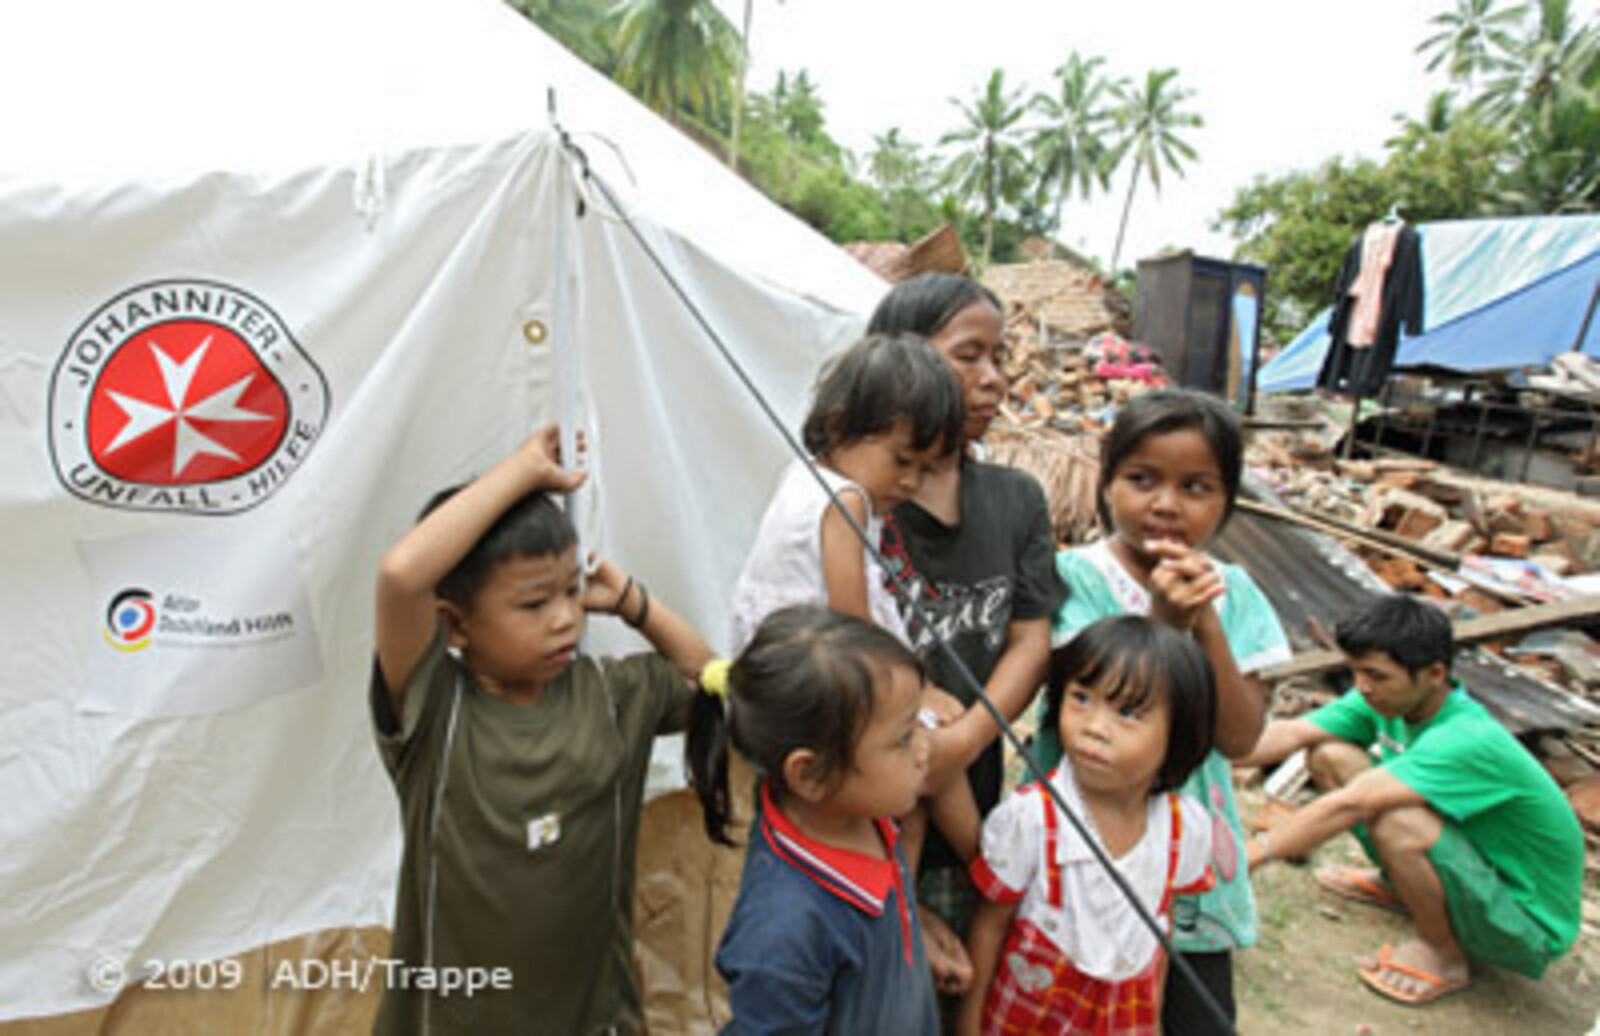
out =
column 567, row 363
column 1588, row 319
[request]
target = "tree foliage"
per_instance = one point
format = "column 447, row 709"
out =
column 905, row 177
column 582, row 26
column 676, row 55
column 1517, row 132
column 997, row 177
column 1522, row 137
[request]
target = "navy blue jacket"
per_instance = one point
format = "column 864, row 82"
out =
column 824, row 940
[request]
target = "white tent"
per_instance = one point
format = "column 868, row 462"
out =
column 347, row 224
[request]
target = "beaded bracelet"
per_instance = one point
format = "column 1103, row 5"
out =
column 644, row 608
column 616, row 609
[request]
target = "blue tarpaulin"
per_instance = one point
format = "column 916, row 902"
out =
column 1500, row 293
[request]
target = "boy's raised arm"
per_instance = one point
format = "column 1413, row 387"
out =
column 412, row 568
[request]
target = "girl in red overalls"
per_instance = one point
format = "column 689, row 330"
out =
column 1055, row 946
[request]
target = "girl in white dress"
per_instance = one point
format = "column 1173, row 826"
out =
column 1055, row 946
column 884, row 412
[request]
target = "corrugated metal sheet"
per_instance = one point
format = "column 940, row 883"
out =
column 1312, row 580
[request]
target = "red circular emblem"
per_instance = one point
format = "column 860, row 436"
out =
column 185, row 403
column 189, row 396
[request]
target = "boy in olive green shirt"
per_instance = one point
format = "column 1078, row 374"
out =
column 1474, row 840
column 519, row 763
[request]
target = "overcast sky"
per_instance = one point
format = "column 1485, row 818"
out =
column 1282, row 84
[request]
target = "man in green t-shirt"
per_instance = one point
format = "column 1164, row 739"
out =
column 1473, row 839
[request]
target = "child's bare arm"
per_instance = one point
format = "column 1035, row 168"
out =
column 985, row 938
column 1012, row 685
column 844, row 568
column 955, row 813
column 611, row 592
column 913, row 835
column 406, row 608
column 1241, row 700
column 1183, row 586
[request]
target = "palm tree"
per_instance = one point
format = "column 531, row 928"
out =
column 1555, row 63
column 894, row 160
column 1437, row 118
column 1070, row 148
column 1470, row 38
column 798, row 109
column 904, row 177
column 990, row 163
column 676, row 53
column 1547, row 97
column 1149, row 118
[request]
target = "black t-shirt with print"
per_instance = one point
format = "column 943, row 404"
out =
column 963, row 584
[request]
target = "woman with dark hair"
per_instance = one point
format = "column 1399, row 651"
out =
column 975, row 555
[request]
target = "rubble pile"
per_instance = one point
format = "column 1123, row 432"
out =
column 1533, row 544
column 1479, row 547
column 1072, row 386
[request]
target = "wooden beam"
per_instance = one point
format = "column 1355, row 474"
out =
column 1379, row 538
column 1467, row 631
column 1389, row 543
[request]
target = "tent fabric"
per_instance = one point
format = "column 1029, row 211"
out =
column 1499, row 293
column 164, row 93
column 358, row 207
column 1533, row 323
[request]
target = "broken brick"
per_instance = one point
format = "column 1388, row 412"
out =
column 1415, row 524
column 1510, row 545
column 1451, row 536
column 1538, row 526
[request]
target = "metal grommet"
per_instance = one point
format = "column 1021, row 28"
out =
column 534, row 331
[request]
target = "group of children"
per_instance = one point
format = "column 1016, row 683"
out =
column 520, row 763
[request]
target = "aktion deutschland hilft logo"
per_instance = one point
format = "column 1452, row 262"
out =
column 130, row 620
column 183, row 396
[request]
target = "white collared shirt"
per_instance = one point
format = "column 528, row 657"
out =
column 1094, row 926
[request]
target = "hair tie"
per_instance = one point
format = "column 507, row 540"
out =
column 714, row 677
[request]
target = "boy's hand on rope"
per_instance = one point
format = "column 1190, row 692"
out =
column 1183, row 582
column 602, row 591
column 541, row 454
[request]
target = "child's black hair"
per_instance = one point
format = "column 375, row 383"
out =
column 1138, row 658
column 804, row 681
column 1407, row 629
column 924, row 304
column 533, row 527
column 878, row 382
column 1173, row 410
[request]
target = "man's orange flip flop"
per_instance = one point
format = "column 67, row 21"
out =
column 1433, row 987
column 1359, row 885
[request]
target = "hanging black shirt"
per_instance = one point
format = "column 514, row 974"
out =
column 1359, row 372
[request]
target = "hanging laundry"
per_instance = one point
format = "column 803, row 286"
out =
column 1380, row 289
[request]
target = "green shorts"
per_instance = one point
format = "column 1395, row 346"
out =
column 1491, row 926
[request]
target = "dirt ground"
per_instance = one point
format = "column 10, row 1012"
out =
column 1301, row 978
